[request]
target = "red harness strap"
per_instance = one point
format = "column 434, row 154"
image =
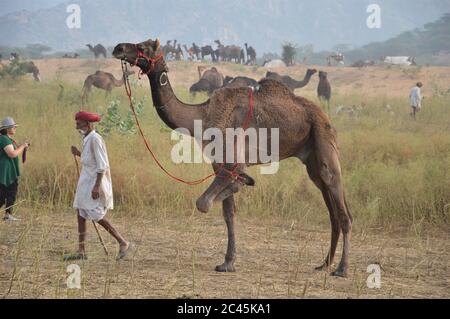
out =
column 151, row 61
column 232, row 173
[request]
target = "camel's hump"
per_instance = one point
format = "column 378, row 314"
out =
column 271, row 86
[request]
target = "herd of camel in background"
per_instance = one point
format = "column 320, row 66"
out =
column 175, row 51
column 211, row 79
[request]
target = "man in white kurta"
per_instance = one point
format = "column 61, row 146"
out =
column 94, row 160
column 94, row 196
column 415, row 99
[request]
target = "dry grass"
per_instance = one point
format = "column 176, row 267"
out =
column 176, row 255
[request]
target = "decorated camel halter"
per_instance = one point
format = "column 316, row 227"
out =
column 151, row 61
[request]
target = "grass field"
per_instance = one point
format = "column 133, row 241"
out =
column 395, row 171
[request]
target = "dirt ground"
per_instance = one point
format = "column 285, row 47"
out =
column 175, row 256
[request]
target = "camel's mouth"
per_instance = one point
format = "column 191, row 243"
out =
column 120, row 51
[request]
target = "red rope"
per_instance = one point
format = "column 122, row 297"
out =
column 147, row 144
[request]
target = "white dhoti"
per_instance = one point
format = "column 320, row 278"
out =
column 94, row 160
column 96, row 214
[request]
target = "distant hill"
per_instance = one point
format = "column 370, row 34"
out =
column 264, row 24
column 429, row 44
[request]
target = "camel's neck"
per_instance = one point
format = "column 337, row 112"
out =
column 172, row 111
column 299, row 84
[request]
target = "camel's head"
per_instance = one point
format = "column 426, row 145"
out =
column 311, row 72
column 323, row 75
column 144, row 54
column 201, row 86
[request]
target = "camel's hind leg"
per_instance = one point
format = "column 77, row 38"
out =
column 314, row 173
column 330, row 172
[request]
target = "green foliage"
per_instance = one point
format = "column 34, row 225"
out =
column 113, row 121
column 289, row 53
column 13, row 70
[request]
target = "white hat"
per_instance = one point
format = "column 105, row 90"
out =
column 7, row 122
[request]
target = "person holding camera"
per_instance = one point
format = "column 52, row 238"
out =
column 9, row 166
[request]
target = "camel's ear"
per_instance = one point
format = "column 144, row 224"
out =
column 157, row 44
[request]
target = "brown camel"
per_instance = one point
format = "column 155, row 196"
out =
column 101, row 80
column 239, row 81
column 324, row 89
column 30, row 67
column 210, row 81
column 305, row 132
column 97, row 50
column 290, row 82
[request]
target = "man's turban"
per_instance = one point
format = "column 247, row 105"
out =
column 87, row 116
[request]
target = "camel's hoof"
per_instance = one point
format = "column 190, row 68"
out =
column 225, row 268
column 339, row 273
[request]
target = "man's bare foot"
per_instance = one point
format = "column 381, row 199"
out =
column 124, row 250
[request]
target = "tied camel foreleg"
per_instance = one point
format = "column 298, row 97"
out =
column 228, row 181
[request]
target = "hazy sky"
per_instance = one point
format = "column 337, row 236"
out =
column 8, row 6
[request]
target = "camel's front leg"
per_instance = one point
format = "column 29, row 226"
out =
column 229, row 211
column 220, row 183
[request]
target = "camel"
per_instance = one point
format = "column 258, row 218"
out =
column 305, row 132
column 68, row 56
column 208, row 50
column 196, row 49
column 97, row 50
column 229, row 52
column 210, row 81
column 102, row 80
column 290, row 82
column 324, row 89
column 251, row 54
column 239, row 81
column 30, row 67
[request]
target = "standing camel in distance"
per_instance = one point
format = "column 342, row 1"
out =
column 291, row 83
column 101, row 80
column 97, row 50
column 251, row 54
column 305, row 132
column 324, row 89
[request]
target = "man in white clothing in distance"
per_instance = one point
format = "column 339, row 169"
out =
column 94, row 194
column 415, row 99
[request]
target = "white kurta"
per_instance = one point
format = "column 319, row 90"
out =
column 94, row 159
column 415, row 97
